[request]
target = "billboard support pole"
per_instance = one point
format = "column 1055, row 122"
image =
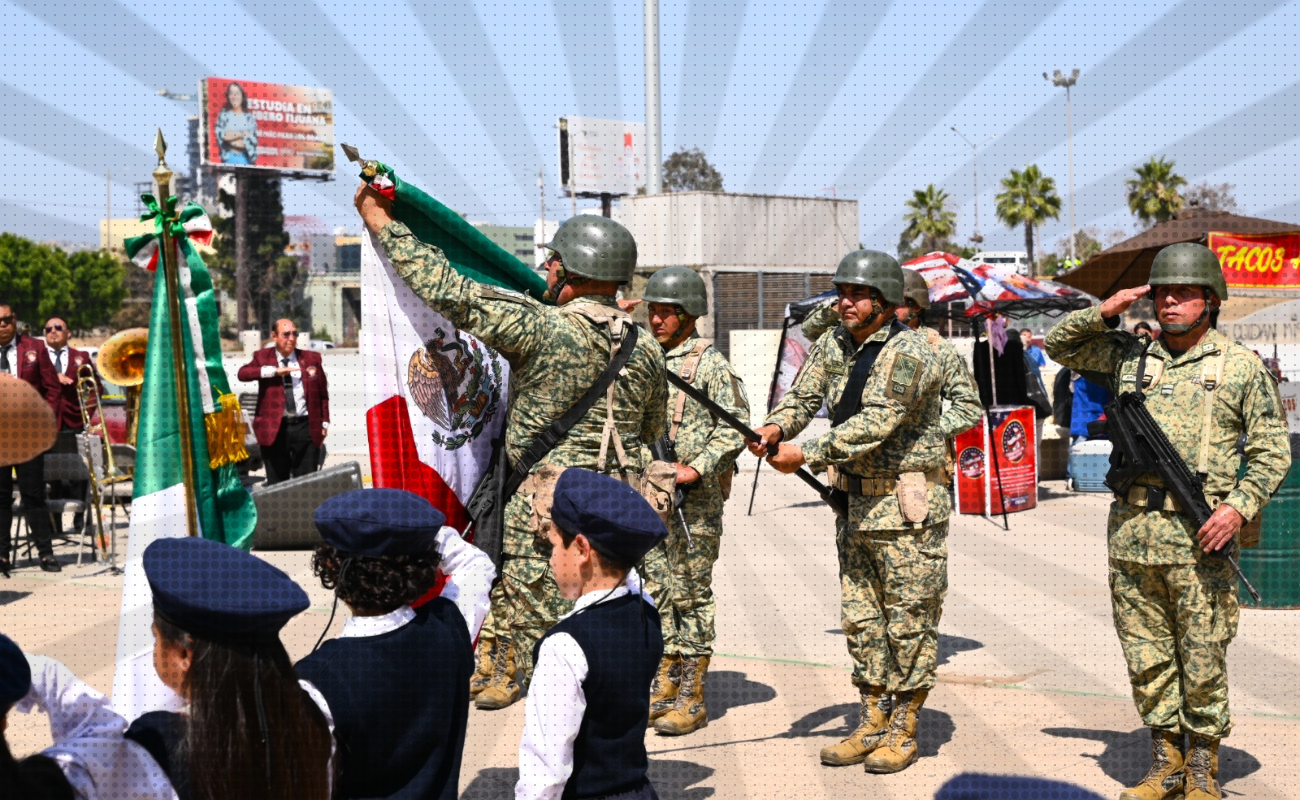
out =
column 241, row 250
column 606, row 204
column 654, row 144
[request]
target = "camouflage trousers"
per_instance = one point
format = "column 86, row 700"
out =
column 526, row 601
column 680, row 578
column 892, row 585
column 1175, row 622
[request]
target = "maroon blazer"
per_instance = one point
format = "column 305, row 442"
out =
column 35, row 367
column 270, row 394
column 69, row 410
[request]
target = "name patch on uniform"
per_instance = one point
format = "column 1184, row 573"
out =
column 903, row 377
column 499, row 293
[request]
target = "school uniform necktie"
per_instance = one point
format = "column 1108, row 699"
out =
column 290, row 406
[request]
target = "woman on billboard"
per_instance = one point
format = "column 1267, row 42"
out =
column 236, row 128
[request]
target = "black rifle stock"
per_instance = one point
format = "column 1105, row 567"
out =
column 1139, row 447
column 839, row 504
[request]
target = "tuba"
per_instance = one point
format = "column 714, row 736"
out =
column 121, row 361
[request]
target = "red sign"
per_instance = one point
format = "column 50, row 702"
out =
column 1007, row 473
column 267, row 125
column 1269, row 261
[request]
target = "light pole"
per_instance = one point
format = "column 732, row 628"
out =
column 541, row 196
column 654, row 144
column 975, row 154
column 1058, row 79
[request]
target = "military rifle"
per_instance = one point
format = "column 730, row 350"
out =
column 840, row 504
column 665, row 449
column 1140, row 447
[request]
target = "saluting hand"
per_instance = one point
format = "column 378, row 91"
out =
column 788, row 459
column 771, row 435
column 1119, row 302
column 1220, row 528
column 375, row 209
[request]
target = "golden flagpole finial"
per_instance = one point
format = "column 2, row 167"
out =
column 160, row 147
column 162, row 175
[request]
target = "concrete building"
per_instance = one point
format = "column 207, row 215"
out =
column 517, row 240
column 757, row 253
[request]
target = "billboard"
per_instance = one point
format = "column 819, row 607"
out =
column 983, row 484
column 266, row 125
column 1256, row 260
column 602, row 156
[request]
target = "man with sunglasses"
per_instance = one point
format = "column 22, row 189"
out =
column 24, row 358
column 67, row 362
column 556, row 354
column 884, row 456
column 293, row 404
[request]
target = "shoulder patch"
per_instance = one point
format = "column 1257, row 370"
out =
column 904, row 376
column 491, row 292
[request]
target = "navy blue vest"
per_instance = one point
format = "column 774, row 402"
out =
column 623, row 645
column 400, row 703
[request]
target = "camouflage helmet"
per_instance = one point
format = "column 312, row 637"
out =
column 916, row 289
column 1189, row 264
column 875, row 269
column 679, row 286
column 596, row 247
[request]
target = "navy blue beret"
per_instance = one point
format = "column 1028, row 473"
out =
column 379, row 522
column 612, row 515
column 15, row 673
column 214, row 591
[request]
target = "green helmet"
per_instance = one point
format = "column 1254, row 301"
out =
column 596, row 247
column 679, row 286
column 875, row 269
column 916, row 289
column 1189, row 264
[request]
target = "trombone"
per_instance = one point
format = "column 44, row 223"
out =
column 88, row 399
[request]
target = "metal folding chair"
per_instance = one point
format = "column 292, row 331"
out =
column 67, row 467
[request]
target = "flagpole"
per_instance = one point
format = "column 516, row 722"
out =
column 168, row 262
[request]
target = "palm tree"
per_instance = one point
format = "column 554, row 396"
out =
column 1153, row 195
column 928, row 220
column 1029, row 198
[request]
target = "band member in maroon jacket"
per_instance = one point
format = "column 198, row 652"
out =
column 67, row 361
column 24, row 358
column 293, row 404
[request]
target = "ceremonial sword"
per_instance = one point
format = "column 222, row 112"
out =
column 751, row 435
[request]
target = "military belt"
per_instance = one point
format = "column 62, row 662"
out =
column 872, row 487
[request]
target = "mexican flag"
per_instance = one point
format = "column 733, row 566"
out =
column 436, row 396
column 225, row 509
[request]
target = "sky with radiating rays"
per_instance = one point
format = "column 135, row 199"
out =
column 461, row 97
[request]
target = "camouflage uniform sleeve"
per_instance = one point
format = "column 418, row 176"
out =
column 725, row 443
column 888, row 396
column 819, row 320
column 654, row 424
column 509, row 322
column 1084, row 342
column 806, row 396
column 958, row 389
column 1268, row 445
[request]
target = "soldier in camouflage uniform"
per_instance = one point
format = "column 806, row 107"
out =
column 962, row 408
column 555, row 353
column 679, row 572
column 1175, row 604
column 888, row 457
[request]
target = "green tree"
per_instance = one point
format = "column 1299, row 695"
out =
column 97, row 289
column 690, row 171
column 1153, row 195
column 929, row 223
column 275, row 285
column 34, row 279
column 1210, row 197
column 1028, row 198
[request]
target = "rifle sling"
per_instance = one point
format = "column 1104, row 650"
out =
column 851, row 400
column 545, row 441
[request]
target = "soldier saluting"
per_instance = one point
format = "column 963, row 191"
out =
column 679, row 573
column 556, row 354
column 885, row 451
column 1175, row 604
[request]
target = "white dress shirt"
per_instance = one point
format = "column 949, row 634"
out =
column 299, row 395
column 557, row 703
column 469, row 573
column 89, row 745
column 12, row 350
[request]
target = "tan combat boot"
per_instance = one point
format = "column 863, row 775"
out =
column 668, row 681
column 873, row 722
column 897, row 752
column 688, row 714
column 485, row 657
column 1200, row 778
column 503, row 691
column 1165, row 777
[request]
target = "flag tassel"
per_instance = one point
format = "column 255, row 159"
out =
column 225, row 430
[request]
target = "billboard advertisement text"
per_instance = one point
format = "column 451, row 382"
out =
column 602, row 156
column 267, row 125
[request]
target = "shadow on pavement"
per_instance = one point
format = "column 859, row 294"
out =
column 934, row 730
column 1128, row 755
column 950, row 646
column 976, row 786
column 725, row 690
column 11, row 597
column 673, row 780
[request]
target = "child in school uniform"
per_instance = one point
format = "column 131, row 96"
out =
column 395, row 683
column 588, row 704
